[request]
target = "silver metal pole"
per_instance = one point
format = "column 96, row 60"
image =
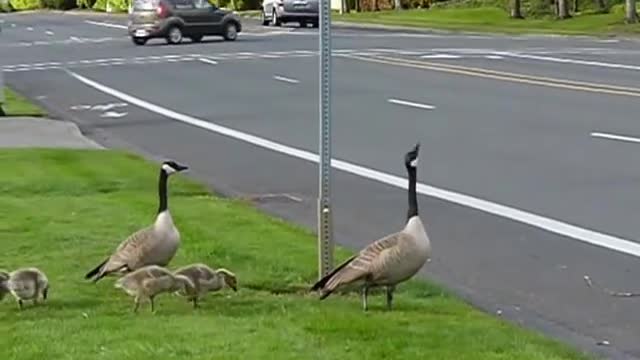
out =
column 2, row 99
column 325, row 226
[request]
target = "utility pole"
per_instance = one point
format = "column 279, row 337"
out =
column 325, row 226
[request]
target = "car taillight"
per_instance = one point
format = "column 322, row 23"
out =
column 161, row 10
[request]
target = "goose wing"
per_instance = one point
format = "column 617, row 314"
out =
column 366, row 263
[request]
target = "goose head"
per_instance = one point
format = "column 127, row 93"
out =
column 229, row 278
column 170, row 167
column 411, row 158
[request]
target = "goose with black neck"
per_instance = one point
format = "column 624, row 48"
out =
column 390, row 260
column 155, row 244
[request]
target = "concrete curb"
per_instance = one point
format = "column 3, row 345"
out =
column 18, row 132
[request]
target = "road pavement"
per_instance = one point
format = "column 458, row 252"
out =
column 528, row 185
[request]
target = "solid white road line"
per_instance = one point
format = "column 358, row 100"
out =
column 555, row 226
column 441, row 56
column 411, row 104
column 105, row 24
column 285, row 79
column 615, row 137
column 570, row 61
column 207, row 61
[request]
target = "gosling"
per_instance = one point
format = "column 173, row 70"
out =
column 152, row 280
column 24, row 284
column 206, row 280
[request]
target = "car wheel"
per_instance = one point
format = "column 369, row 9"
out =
column 230, row 31
column 174, row 36
column 263, row 18
column 275, row 20
column 139, row 41
column 315, row 24
column 196, row 38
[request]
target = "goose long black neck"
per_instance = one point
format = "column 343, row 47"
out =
column 413, row 199
column 162, row 191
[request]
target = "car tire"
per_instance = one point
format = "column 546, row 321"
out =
column 174, row 35
column 196, row 38
column 315, row 24
column 275, row 20
column 230, row 31
column 263, row 18
column 138, row 41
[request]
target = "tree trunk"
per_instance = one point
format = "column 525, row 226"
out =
column 357, row 5
column 516, row 12
column 576, row 6
column 631, row 16
column 601, row 5
column 375, row 5
column 397, row 5
column 563, row 9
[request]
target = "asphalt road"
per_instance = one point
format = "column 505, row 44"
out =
column 531, row 123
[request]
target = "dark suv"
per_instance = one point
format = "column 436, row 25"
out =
column 175, row 19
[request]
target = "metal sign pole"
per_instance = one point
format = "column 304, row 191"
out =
column 325, row 230
column 1, row 78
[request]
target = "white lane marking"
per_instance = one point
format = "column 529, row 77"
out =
column 13, row 25
column 615, row 137
column 29, row 28
column 441, row 56
column 570, row 61
column 411, row 104
column 207, row 61
column 554, row 226
column 494, row 57
column 113, row 114
column 106, row 24
column 50, row 33
column 285, row 79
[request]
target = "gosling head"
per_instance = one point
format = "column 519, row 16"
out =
column 170, row 167
column 411, row 158
column 229, row 278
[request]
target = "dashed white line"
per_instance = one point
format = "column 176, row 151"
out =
column 29, row 28
column 441, row 56
column 106, row 24
column 615, row 137
column 50, row 33
column 554, row 226
column 411, row 104
column 285, row 79
column 208, row 61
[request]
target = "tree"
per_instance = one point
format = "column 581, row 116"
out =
column 397, row 5
column 516, row 12
column 631, row 16
column 563, row 9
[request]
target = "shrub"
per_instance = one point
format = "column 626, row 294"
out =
column 24, row 4
column 58, row 4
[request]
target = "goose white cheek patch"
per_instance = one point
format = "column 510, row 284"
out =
column 168, row 169
column 414, row 162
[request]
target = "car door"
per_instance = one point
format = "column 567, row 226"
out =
column 185, row 10
column 209, row 18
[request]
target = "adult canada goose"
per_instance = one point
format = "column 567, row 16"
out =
column 153, row 245
column 206, row 279
column 25, row 284
column 150, row 281
column 390, row 260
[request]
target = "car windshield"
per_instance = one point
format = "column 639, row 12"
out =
column 145, row 4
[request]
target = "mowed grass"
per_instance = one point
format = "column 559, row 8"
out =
column 487, row 19
column 18, row 105
column 64, row 210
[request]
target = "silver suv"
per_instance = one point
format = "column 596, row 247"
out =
column 278, row 12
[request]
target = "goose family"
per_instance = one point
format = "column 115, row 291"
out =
column 155, row 244
column 24, row 284
column 152, row 280
column 207, row 280
column 389, row 260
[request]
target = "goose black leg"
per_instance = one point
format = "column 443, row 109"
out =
column 365, row 294
column 20, row 304
column 195, row 302
column 390, row 290
column 136, row 304
column 153, row 309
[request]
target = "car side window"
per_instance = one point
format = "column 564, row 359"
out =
column 183, row 4
column 203, row 4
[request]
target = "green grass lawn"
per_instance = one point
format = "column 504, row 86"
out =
column 64, row 210
column 495, row 20
column 17, row 105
